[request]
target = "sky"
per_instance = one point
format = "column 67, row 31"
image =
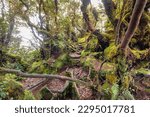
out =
column 95, row 3
column 26, row 34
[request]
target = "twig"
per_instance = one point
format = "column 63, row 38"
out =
column 102, row 65
column 75, row 86
column 37, row 85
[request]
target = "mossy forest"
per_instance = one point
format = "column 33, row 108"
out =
column 75, row 49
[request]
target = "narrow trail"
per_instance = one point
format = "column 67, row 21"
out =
column 142, row 85
column 56, row 85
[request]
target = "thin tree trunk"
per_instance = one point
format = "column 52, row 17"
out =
column 134, row 22
column 109, row 8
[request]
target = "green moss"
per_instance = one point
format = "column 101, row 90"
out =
column 28, row 95
column 88, row 42
column 111, row 78
column 110, row 91
column 83, row 39
column 142, row 71
column 109, row 35
column 125, row 95
column 61, row 61
column 138, row 53
column 88, row 61
column 91, row 45
column 39, row 67
column 114, row 91
column 13, row 89
column 122, row 65
column 126, row 81
column 110, row 51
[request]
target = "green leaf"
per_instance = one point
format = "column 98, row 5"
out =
column 114, row 92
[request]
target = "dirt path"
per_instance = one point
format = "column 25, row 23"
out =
column 142, row 85
column 55, row 85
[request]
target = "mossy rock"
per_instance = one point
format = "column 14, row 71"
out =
column 109, row 35
column 91, row 44
column 88, row 61
column 12, row 89
column 88, row 42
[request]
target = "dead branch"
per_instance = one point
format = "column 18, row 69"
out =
column 48, row 76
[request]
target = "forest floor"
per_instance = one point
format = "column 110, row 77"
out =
column 142, row 85
column 56, row 85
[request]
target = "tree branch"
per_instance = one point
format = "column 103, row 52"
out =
column 91, row 28
column 27, row 75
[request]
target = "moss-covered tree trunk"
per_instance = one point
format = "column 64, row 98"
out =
column 134, row 22
column 122, row 66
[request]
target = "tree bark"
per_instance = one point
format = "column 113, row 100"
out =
column 109, row 8
column 134, row 22
column 103, row 43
